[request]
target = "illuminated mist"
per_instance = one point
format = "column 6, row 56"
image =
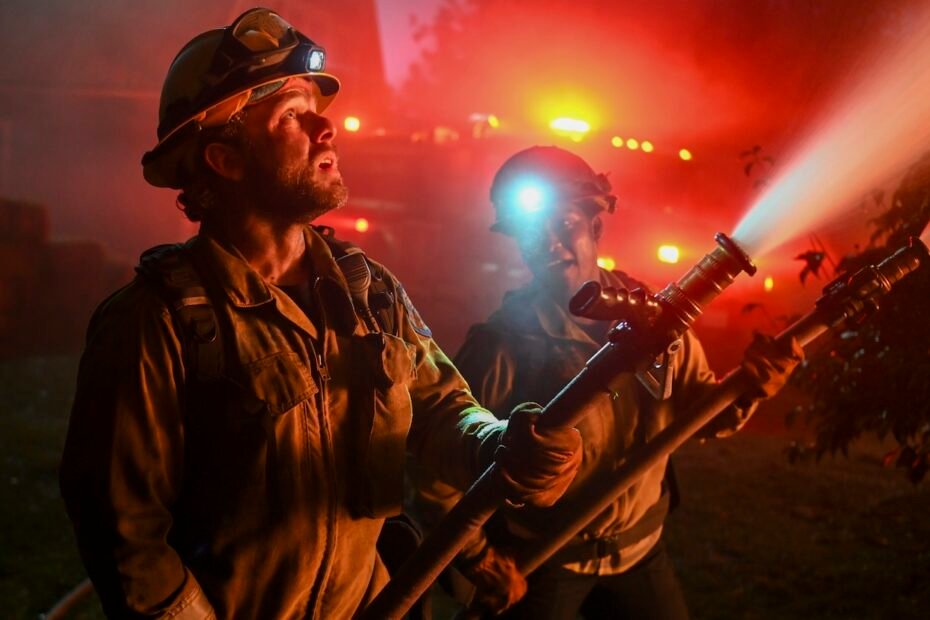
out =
column 879, row 128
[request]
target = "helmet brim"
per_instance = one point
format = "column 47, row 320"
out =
column 162, row 165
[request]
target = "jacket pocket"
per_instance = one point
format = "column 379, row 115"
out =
column 277, row 384
column 384, row 407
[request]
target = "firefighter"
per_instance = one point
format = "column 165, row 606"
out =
column 553, row 204
column 245, row 406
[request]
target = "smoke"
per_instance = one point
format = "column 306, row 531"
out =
column 872, row 135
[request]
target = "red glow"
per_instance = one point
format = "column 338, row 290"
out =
column 686, row 76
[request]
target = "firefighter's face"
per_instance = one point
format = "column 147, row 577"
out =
column 560, row 247
column 291, row 165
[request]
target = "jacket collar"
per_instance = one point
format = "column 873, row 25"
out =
column 245, row 288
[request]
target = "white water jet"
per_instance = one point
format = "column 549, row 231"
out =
column 878, row 130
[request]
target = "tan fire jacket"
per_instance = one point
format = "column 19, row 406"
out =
column 527, row 351
column 261, row 496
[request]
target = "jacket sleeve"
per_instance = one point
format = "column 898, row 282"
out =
column 451, row 434
column 694, row 379
column 488, row 370
column 122, row 462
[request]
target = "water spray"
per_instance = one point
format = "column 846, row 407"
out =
column 846, row 299
column 862, row 143
column 632, row 345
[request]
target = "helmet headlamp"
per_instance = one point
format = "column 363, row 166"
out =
column 260, row 44
column 537, row 180
column 526, row 200
column 530, row 197
column 260, row 39
column 316, row 60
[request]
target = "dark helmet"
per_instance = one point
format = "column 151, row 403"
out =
column 220, row 72
column 541, row 177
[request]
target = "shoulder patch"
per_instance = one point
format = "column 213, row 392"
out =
column 416, row 321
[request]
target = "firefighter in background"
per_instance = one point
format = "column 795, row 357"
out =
column 551, row 202
column 242, row 413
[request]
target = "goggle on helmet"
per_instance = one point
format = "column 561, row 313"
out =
column 220, row 72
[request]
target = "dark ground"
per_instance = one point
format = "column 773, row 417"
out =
column 755, row 537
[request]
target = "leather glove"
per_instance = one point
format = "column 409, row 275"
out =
column 498, row 583
column 769, row 364
column 537, row 464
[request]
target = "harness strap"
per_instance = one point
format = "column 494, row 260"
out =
column 171, row 270
column 169, row 267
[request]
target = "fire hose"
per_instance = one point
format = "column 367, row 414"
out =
column 844, row 299
column 630, row 347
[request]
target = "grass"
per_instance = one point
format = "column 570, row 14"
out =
column 754, row 538
column 39, row 562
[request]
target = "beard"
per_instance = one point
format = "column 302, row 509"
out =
column 298, row 194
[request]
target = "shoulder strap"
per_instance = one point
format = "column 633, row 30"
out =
column 170, row 269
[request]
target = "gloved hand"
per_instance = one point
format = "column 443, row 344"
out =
column 769, row 363
column 498, row 583
column 537, row 464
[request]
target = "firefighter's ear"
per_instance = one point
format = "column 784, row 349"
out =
column 225, row 160
column 597, row 227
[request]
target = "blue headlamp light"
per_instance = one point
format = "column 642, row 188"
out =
column 529, row 196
